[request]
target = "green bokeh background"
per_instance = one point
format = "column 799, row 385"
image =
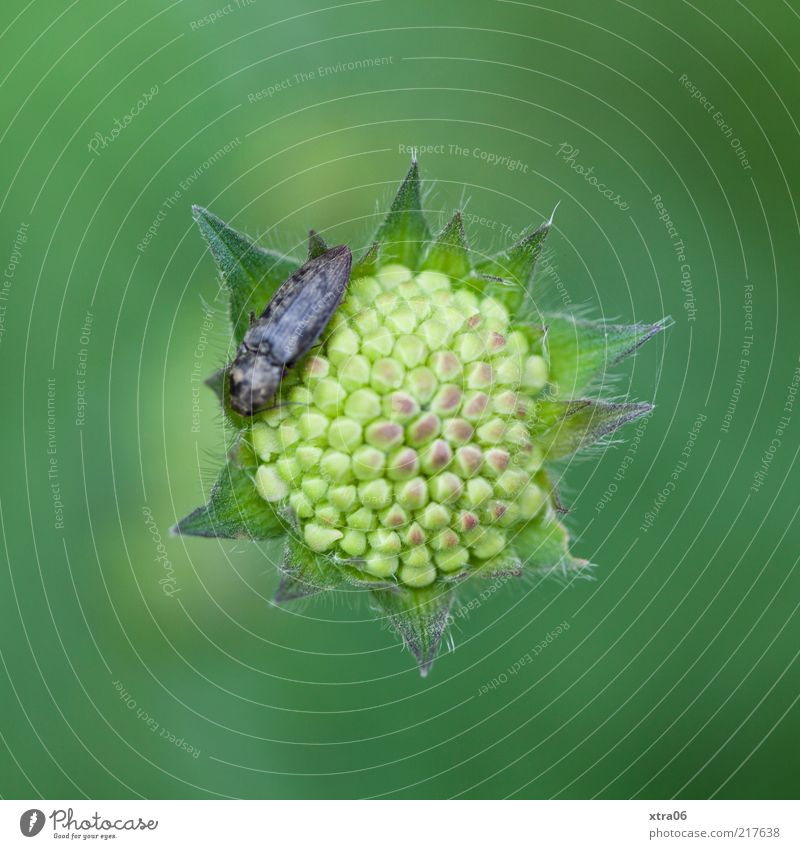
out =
column 678, row 675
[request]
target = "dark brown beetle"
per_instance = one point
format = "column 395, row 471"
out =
column 287, row 329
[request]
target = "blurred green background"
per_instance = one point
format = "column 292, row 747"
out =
column 678, row 675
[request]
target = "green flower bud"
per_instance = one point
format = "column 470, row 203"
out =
column 512, row 482
column 384, row 435
column 344, row 434
column 377, row 343
column 327, row 516
column 446, row 366
column 312, row 425
column 367, row 321
column 394, row 517
column 496, row 461
column 400, row 406
column 410, row 350
column 469, row 346
column 314, row 488
column 489, row 544
column 436, row 456
column 319, row 538
column 380, row 565
column 414, row 536
column 288, row 434
column 447, row 400
column 412, row 494
column 478, row 491
column 354, row 372
column 329, row 396
column 452, row 559
column 534, row 375
column 446, row 488
column 479, row 375
column 423, row 429
column 457, row 431
column 475, row 406
column 342, row 497
column 530, row 501
column 417, row 558
column 342, row 345
column 386, row 302
column 362, row 519
column 308, row 456
column 363, row 405
column 421, row 383
column 401, row 319
column 368, row 463
column 435, row 334
column 385, row 541
column 434, row 517
column 264, row 440
column 387, row 374
column 417, row 576
column 492, row 432
column 391, row 275
column 301, row 504
column 402, row 464
column 335, row 465
column 468, row 461
column 354, row 543
column 315, row 369
column 289, row 469
column 375, row 494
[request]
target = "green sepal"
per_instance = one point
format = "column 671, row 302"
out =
column 249, row 272
column 505, row 565
column 362, row 580
column 580, row 351
column 368, row 264
column 449, row 253
column 509, row 274
column 544, row 480
column 316, row 244
column 304, row 572
column 543, row 546
column 404, row 232
column 234, row 509
column 564, row 427
column 420, row 616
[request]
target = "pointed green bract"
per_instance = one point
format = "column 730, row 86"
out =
column 234, row 509
column 367, row 265
column 419, row 616
column 450, row 252
column 580, row 352
column 514, row 269
column 544, row 547
column 250, row 273
column 403, row 234
column 316, row 244
column 572, row 425
column 303, row 572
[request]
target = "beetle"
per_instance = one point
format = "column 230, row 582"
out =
column 288, row 328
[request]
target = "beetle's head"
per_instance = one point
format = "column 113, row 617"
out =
column 253, row 382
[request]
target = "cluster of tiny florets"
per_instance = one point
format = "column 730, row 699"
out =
column 403, row 444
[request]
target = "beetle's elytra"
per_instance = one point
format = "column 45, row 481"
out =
column 288, row 328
